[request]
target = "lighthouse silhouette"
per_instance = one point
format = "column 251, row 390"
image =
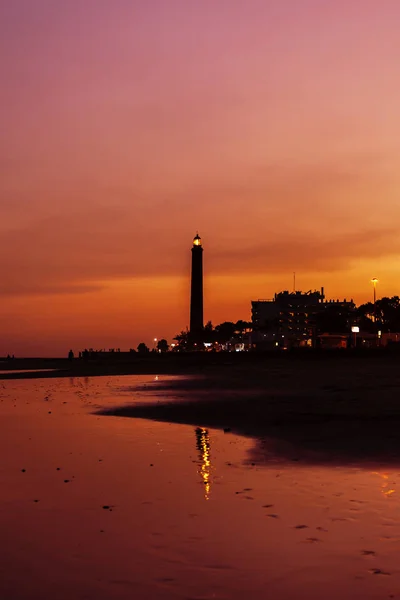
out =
column 196, row 296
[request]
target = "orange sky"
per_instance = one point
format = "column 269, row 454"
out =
column 271, row 127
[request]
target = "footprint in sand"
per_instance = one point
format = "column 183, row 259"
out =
column 301, row 527
column 368, row 553
column 378, row 572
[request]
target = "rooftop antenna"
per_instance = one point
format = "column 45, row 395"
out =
column 294, row 281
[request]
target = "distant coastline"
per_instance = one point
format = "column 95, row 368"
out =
column 193, row 363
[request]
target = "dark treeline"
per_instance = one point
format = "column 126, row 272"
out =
column 220, row 334
column 386, row 311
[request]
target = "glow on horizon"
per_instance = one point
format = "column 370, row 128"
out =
column 271, row 127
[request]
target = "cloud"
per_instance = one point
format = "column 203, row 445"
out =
column 71, row 253
column 325, row 253
column 40, row 288
column 271, row 219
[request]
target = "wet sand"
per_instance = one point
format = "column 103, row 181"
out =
column 213, row 487
column 338, row 411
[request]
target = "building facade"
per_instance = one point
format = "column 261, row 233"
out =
column 298, row 318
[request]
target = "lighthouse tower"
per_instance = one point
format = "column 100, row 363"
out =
column 196, row 297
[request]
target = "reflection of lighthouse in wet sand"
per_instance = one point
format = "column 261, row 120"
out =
column 203, row 446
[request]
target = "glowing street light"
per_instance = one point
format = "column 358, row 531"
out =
column 355, row 329
column 374, row 281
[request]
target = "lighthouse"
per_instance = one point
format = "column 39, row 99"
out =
column 196, row 296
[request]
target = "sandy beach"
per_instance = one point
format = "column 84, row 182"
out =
column 343, row 411
column 333, row 407
column 278, row 479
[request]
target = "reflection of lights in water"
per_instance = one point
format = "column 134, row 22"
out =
column 386, row 490
column 203, row 446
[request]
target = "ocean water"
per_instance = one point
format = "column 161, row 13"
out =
column 103, row 507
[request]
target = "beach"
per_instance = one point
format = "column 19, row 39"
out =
column 202, row 485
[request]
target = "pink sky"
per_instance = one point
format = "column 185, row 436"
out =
column 272, row 127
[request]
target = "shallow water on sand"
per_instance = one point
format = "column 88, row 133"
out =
column 100, row 507
column 19, row 371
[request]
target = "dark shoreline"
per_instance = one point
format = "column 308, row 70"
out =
column 189, row 363
column 336, row 412
column 335, row 407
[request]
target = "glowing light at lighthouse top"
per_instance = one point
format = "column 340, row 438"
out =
column 197, row 240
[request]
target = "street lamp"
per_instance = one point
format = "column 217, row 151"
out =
column 355, row 329
column 374, row 281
